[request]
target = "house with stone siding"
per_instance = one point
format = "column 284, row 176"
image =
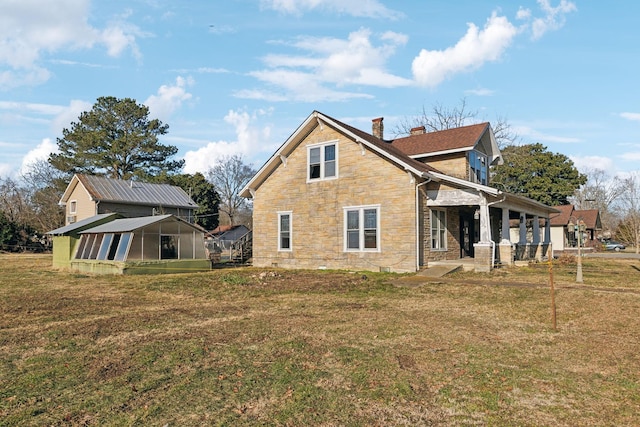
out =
column 336, row 197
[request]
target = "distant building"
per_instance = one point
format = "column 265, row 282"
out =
column 90, row 195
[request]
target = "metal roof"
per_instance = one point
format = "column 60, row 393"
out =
column 125, row 225
column 82, row 224
column 131, row 192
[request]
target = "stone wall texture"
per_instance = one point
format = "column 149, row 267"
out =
column 317, row 209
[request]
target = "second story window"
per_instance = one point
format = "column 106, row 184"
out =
column 478, row 169
column 73, row 206
column 322, row 161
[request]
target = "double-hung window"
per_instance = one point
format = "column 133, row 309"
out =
column 284, row 231
column 362, row 228
column 322, row 161
column 438, row 229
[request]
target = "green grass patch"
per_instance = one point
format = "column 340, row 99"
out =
column 247, row 346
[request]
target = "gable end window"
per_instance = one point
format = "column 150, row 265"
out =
column 438, row 229
column 73, row 207
column 362, row 229
column 322, row 161
column 478, row 167
column 284, row 231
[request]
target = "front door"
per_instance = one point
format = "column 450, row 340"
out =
column 467, row 233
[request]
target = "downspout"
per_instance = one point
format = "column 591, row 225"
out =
column 418, row 223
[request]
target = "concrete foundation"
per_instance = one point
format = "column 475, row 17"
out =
column 141, row 267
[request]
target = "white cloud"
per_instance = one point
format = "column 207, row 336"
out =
column 66, row 115
column 554, row 18
column 31, row 28
column 41, row 152
column 480, row 92
column 250, row 140
column 523, row 14
column 6, row 169
column 169, row 98
column 361, row 8
column 432, row 67
column 538, row 136
column 328, row 62
column 56, row 116
column 632, row 156
column 585, row 163
column 631, row 116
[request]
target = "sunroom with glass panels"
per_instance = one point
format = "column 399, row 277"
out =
column 162, row 243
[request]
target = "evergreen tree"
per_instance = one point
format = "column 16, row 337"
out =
column 115, row 139
column 532, row 171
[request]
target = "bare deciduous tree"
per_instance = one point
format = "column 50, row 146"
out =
column 629, row 205
column 440, row 117
column 600, row 192
column 229, row 176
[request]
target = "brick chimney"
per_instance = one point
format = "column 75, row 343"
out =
column 420, row 130
column 377, row 127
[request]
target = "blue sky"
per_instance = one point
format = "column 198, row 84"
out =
column 238, row 77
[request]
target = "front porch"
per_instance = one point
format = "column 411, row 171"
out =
column 486, row 230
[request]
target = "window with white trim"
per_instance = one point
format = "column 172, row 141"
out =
column 322, row 160
column 73, row 206
column 438, row 229
column 284, row 231
column 362, row 228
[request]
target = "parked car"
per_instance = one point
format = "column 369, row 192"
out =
column 613, row 246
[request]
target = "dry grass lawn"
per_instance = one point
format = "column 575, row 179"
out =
column 291, row 348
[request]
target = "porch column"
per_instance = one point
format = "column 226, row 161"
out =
column 523, row 229
column 547, row 231
column 485, row 222
column 536, row 247
column 548, row 248
column 483, row 250
column 505, row 250
column 506, row 232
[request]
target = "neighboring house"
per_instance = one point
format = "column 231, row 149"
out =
column 333, row 196
column 229, row 243
column 563, row 233
column 90, row 195
column 151, row 244
column 225, row 236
